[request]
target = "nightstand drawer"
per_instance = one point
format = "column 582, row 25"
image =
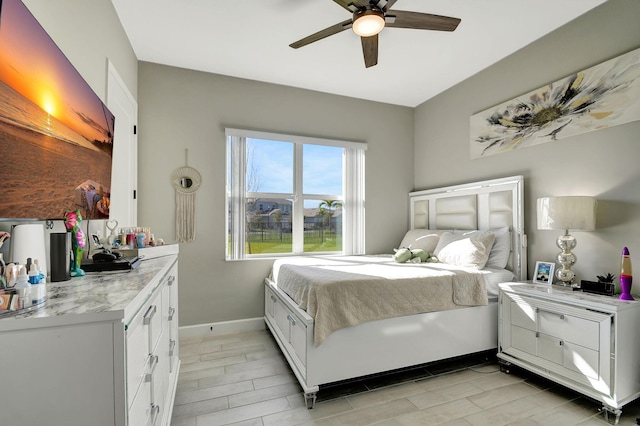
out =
column 524, row 340
column 523, row 315
column 570, row 328
column 551, row 348
column 582, row 360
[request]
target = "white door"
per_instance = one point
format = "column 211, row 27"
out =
column 124, row 173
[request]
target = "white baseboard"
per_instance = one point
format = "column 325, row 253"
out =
column 220, row 328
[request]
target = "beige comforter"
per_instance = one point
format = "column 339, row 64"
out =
column 349, row 290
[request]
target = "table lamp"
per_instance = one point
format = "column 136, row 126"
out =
column 567, row 213
column 27, row 241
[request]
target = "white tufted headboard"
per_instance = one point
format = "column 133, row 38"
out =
column 481, row 205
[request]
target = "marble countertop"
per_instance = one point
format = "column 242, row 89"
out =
column 97, row 295
column 561, row 293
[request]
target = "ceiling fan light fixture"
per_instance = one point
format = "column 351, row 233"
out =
column 368, row 22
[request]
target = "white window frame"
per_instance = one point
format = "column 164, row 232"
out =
column 353, row 192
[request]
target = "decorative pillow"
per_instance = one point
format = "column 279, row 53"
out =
column 468, row 250
column 501, row 249
column 425, row 239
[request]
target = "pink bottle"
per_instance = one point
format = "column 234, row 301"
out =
column 626, row 276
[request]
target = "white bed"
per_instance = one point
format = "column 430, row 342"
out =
column 376, row 346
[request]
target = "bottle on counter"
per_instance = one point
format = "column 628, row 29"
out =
column 626, row 276
column 41, row 275
column 23, row 287
column 38, row 288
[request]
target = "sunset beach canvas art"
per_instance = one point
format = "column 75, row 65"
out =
column 56, row 135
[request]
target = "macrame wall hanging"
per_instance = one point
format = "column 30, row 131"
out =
column 186, row 181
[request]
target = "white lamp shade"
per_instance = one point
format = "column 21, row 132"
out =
column 577, row 213
column 27, row 240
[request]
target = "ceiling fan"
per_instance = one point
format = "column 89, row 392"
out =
column 371, row 16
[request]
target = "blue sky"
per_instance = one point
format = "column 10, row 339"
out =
column 272, row 163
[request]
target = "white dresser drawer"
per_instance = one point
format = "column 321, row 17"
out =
column 143, row 333
column 153, row 319
column 523, row 340
column 584, row 361
column 290, row 328
column 523, row 314
column 140, row 409
column 137, row 355
column 570, row 328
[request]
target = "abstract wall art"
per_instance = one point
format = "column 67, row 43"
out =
column 602, row 96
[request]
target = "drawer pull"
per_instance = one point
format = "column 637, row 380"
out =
column 149, row 314
column 291, row 319
column 155, row 410
column 538, row 310
column 172, row 347
column 171, row 280
column 172, row 312
column 153, row 361
column 273, row 298
column 561, row 342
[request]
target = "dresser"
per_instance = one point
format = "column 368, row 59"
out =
column 103, row 350
column 586, row 342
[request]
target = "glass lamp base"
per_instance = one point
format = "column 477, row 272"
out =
column 566, row 259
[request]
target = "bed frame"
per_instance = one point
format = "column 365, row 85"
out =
column 385, row 345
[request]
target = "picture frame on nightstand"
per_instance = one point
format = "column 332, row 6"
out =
column 543, row 273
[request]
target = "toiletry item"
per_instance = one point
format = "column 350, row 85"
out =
column 28, row 265
column 626, row 276
column 38, row 289
column 23, row 288
column 33, row 274
column 141, row 238
column 5, row 301
column 42, row 277
column 10, row 274
column 3, row 270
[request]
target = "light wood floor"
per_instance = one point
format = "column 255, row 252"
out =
column 243, row 379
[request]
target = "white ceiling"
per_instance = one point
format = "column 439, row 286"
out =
column 250, row 39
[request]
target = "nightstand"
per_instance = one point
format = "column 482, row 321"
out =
column 589, row 343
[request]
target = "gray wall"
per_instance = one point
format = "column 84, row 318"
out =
column 181, row 109
column 604, row 163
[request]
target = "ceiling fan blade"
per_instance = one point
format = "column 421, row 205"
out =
column 370, row 50
column 334, row 29
column 421, row 21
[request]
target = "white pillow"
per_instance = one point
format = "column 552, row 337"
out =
column 501, row 249
column 499, row 256
column 425, row 239
column 468, row 250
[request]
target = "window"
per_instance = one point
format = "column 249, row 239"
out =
column 289, row 195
